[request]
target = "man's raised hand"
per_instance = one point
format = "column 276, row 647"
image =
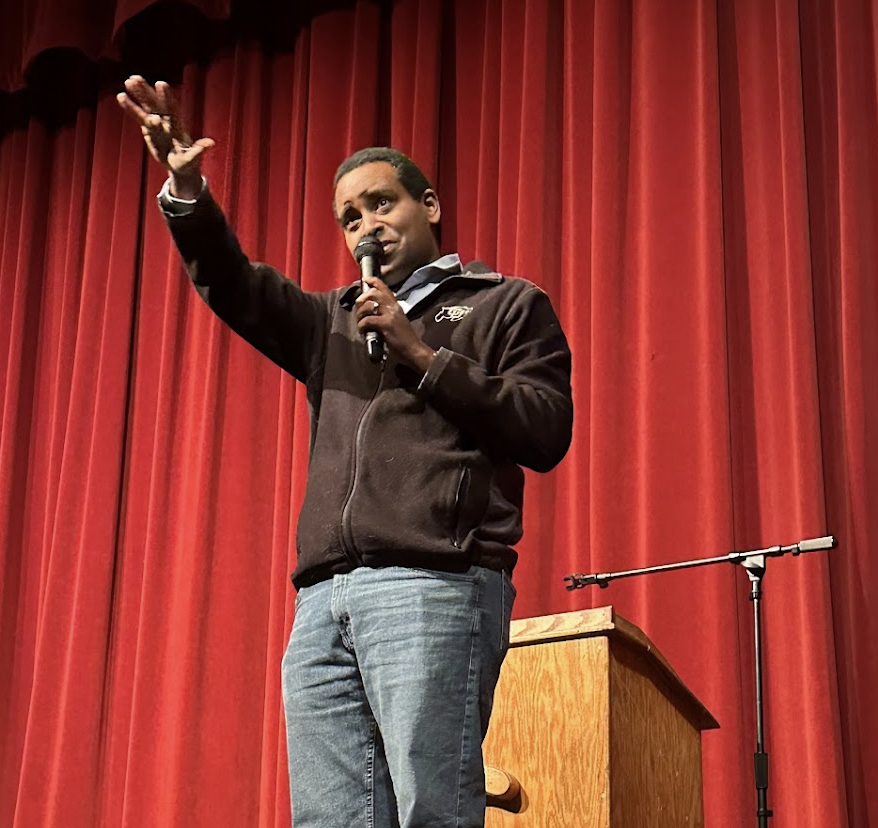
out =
column 156, row 111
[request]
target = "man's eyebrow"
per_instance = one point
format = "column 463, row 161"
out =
column 378, row 192
column 369, row 196
column 346, row 209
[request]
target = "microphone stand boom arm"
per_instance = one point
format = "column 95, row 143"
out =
column 602, row 579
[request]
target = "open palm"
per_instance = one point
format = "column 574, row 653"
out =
column 155, row 109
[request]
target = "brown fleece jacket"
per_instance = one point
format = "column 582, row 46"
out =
column 404, row 470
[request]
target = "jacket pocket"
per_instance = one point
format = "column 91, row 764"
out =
column 458, row 529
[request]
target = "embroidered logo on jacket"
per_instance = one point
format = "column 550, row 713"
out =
column 453, row 313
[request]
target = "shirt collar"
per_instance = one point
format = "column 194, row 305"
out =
column 442, row 268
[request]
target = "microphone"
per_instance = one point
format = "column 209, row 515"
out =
column 368, row 254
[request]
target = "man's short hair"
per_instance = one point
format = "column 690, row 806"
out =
column 409, row 174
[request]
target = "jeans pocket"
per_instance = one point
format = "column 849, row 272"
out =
column 300, row 596
column 306, row 592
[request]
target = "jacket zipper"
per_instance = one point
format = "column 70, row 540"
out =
column 347, row 534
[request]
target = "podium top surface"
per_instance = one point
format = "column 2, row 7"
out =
column 605, row 622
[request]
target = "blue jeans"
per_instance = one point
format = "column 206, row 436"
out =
column 388, row 682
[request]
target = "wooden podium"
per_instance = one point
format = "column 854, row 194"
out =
column 592, row 729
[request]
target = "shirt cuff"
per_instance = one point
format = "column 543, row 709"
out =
column 173, row 206
column 435, row 368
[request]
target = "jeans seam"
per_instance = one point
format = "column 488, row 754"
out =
column 370, row 776
column 471, row 703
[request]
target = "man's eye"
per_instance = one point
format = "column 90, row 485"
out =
column 383, row 203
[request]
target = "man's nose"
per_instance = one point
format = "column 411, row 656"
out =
column 371, row 226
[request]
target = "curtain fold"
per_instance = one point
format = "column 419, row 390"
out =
column 840, row 114
column 94, row 28
column 777, row 464
column 695, row 186
column 77, row 344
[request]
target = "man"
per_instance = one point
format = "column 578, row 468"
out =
column 414, row 489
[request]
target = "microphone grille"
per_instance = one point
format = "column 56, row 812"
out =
column 368, row 246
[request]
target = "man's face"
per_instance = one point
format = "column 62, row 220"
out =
column 371, row 200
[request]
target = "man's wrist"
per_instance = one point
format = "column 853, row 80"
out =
column 422, row 358
column 186, row 187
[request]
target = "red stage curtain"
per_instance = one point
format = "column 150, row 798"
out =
column 694, row 183
column 93, row 27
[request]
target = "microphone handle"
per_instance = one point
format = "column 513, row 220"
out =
column 374, row 340
column 375, row 346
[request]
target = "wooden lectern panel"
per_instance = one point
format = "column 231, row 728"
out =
column 656, row 753
column 596, row 728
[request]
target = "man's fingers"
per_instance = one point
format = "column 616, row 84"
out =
column 375, row 282
column 196, row 150
column 165, row 99
column 373, row 323
column 364, row 310
column 147, row 104
column 369, row 295
column 198, row 147
column 376, row 289
column 167, row 107
column 141, row 92
column 184, row 162
column 132, row 107
column 141, row 101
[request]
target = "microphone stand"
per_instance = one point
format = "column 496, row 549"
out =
column 754, row 562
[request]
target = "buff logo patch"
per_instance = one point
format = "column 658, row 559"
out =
column 453, row 313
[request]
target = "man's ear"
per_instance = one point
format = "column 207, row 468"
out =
column 431, row 204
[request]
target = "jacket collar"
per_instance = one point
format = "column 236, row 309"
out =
column 475, row 271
